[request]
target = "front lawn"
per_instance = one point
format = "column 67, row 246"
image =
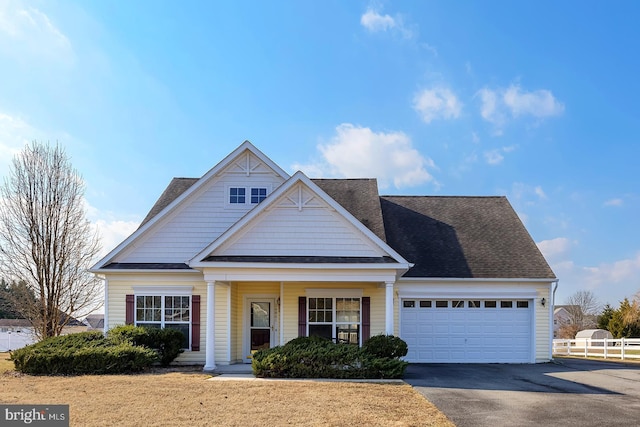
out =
column 5, row 363
column 187, row 398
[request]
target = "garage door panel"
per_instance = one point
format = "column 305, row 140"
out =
column 469, row 334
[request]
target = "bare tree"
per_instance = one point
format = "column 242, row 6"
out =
column 631, row 316
column 46, row 242
column 583, row 308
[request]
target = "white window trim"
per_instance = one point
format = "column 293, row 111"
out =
column 333, row 294
column 247, row 194
column 164, row 291
column 336, row 293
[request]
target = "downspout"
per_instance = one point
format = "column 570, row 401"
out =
column 551, row 306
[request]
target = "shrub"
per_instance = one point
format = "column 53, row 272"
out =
column 81, row 353
column 386, row 346
column 167, row 342
column 313, row 357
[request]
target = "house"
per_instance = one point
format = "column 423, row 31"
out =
column 94, row 321
column 248, row 257
column 561, row 317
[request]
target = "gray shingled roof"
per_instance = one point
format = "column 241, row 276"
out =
column 359, row 197
column 461, row 237
column 453, row 237
column 176, row 187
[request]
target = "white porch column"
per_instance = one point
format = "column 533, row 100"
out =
column 210, row 363
column 388, row 309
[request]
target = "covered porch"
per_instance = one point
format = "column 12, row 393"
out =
column 250, row 309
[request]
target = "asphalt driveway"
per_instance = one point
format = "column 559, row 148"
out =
column 569, row 392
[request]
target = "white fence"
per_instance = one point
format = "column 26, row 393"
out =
column 14, row 340
column 624, row 348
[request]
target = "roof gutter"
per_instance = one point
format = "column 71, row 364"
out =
column 475, row 279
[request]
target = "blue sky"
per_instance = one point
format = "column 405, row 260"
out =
column 537, row 101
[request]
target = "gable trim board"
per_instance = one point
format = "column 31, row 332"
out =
column 327, row 236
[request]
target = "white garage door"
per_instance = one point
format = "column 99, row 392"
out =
column 467, row 331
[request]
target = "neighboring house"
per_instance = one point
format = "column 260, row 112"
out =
column 571, row 315
column 94, row 321
column 248, row 257
column 561, row 317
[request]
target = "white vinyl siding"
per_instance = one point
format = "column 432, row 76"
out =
column 197, row 222
column 315, row 230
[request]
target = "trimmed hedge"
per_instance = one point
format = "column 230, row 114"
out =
column 125, row 349
column 315, row 357
column 167, row 342
column 82, row 353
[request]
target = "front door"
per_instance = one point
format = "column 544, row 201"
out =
column 260, row 325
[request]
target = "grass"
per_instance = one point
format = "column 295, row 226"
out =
column 187, row 398
column 5, row 363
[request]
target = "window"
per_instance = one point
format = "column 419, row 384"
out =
column 506, row 304
column 408, row 304
column 522, row 304
column 246, row 195
column 490, row 304
column 457, row 304
column 337, row 319
column 155, row 311
column 474, row 304
column 442, row 304
column 237, row 195
column 425, row 304
column 258, row 195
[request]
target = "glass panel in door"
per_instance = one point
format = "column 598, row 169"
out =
column 260, row 332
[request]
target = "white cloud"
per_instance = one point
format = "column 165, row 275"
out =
column 540, row 103
column 437, row 103
column 493, row 157
column 14, row 134
column 26, row 31
column 540, row 192
column 614, row 202
column 375, row 22
column 554, row 248
column 497, row 105
column 359, row 152
column 113, row 232
column 489, row 107
column 527, row 194
column 611, row 281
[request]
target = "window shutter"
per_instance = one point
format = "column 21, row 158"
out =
column 302, row 316
column 129, row 310
column 366, row 318
column 195, row 323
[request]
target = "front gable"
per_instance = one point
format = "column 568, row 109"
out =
column 187, row 218
column 299, row 220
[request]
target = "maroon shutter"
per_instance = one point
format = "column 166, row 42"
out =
column 302, row 316
column 366, row 318
column 195, row 323
column 129, row 310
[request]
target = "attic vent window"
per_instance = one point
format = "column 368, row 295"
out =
column 237, row 195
